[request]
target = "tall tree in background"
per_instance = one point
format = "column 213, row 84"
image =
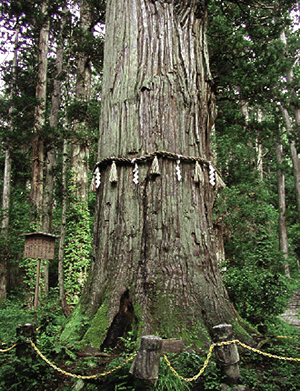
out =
column 80, row 144
column 36, row 193
column 51, row 155
column 290, row 101
column 7, row 164
column 247, row 63
column 6, row 192
column 78, row 228
column 283, row 238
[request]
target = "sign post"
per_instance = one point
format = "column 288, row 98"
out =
column 39, row 245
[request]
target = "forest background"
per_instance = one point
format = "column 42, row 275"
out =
column 50, row 104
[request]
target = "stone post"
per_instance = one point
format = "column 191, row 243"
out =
column 25, row 332
column 146, row 363
column 227, row 357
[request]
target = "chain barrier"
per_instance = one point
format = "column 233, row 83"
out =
column 286, row 337
column 211, row 348
column 79, row 376
column 8, row 349
column 201, row 370
column 235, row 341
column 268, row 354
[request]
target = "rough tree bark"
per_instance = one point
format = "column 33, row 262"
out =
column 62, row 293
column 6, row 192
column 155, row 261
column 50, row 161
column 37, row 162
column 7, row 160
column 80, row 145
column 289, row 129
column 283, row 238
column 294, row 156
column 259, row 149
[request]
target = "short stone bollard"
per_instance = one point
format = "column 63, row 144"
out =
column 227, row 357
column 25, row 332
column 146, row 363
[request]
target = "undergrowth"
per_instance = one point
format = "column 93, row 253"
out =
column 29, row 372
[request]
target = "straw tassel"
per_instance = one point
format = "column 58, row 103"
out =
column 212, row 177
column 219, row 182
column 198, row 174
column 135, row 172
column 177, row 168
column 113, row 175
column 97, row 177
column 154, row 170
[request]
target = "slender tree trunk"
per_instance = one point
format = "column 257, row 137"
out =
column 78, row 243
column 7, row 184
column 48, row 205
column 5, row 222
column 50, row 162
column 288, row 125
column 62, row 293
column 154, row 261
column 297, row 115
column 283, row 238
column 259, row 149
column 37, row 163
column 259, row 158
column 80, row 146
column 294, row 156
column 7, row 161
column 6, row 192
column 258, row 144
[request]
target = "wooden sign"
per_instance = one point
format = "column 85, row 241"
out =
column 39, row 245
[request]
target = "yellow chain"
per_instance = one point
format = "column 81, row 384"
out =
column 79, row 376
column 201, row 370
column 236, row 341
column 268, row 354
column 8, row 349
column 287, row 337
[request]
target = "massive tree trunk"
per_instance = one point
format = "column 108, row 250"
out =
column 154, row 246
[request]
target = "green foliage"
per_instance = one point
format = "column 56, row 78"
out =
column 129, row 343
column 78, row 246
column 262, row 373
column 251, row 226
column 167, row 381
column 12, row 313
column 29, row 372
column 257, row 294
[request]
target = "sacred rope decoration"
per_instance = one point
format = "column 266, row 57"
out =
column 214, row 174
